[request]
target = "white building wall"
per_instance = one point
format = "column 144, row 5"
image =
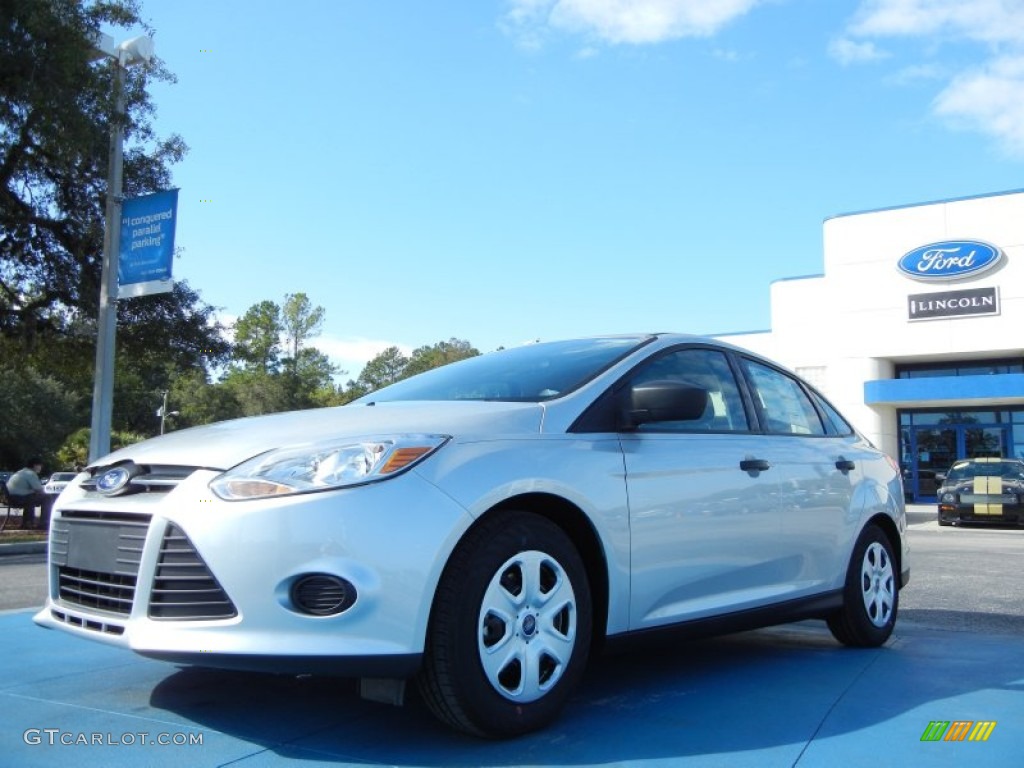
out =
column 851, row 325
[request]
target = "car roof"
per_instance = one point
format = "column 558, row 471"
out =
column 986, row 460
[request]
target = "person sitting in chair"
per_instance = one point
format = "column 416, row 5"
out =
column 26, row 491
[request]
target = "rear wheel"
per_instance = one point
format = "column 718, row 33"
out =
column 870, row 596
column 511, row 627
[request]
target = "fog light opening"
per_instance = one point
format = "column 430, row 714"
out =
column 321, row 594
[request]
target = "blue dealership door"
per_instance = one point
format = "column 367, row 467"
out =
column 930, row 451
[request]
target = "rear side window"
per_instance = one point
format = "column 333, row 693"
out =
column 785, row 407
column 835, row 424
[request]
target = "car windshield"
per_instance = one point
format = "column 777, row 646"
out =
column 531, row 373
column 985, row 469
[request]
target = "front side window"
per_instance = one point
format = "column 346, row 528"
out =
column 785, row 407
column 706, row 369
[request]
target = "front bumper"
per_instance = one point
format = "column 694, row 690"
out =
column 985, row 511
column 186, row 577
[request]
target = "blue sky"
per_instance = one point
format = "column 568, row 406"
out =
column 507, row 170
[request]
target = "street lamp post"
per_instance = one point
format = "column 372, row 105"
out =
column 134, row 51
column 163, row 413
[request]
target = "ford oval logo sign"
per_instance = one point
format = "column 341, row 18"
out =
column 949, row 260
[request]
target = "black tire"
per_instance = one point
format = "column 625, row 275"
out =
column 510, row 630
column 871, row 594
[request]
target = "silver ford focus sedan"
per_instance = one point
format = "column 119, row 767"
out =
column 479, row 528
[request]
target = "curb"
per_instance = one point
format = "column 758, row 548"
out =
column 23, row 548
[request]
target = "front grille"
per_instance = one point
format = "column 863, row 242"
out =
column 97, row 558
column 184, row 588
column 145, row 478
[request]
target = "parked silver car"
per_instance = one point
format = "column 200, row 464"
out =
column 57, row 482
column 479, row 527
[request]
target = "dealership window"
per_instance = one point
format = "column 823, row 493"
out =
column 960, row 368
column 931, row 440
column 813, row 375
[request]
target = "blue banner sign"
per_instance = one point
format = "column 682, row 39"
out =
column 949, row 260
column 147, row 244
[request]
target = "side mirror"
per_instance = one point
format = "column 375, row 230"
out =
column 655, row 401
column 940, row 477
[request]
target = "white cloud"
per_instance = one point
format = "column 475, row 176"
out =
column 989, row 96
column 989, row 100
column 847, row 51
column 916, row 73
column 634, row 22
column 982, row 20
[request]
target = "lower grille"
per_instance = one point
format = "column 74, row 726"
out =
column 96, row 626
column 184, row 588
column 97, row 560
column 91, row 589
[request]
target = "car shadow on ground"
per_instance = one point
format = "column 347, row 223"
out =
column 774, row 689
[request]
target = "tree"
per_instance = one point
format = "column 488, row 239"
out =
column 301, row 321
column 56, row 110
column 75, row 449
column 307, row 375
column 426, row 357
column 391, row 365
column 258, row 337
column 37, row 413
column 386, row 368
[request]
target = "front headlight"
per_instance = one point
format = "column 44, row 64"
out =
column 948, row 498
column 324, row 466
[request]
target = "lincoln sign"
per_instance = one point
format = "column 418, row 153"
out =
column 932, row 306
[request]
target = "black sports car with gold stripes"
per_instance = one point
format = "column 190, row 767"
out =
column 987, row 490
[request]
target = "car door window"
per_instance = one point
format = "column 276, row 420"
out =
column 835, row 424
column 705, row 368
column 785, row 407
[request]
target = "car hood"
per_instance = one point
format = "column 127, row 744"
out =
column 227, row 443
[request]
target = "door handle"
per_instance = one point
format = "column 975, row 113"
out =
column 755, row 465
column 845, row 465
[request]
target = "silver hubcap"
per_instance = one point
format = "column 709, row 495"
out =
column 878, row 585
column 527, row 626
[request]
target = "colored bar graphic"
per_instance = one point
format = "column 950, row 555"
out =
column 958, row 730
column 935, row 731
column 982, row 730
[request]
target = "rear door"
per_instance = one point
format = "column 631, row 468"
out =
column 820, row 459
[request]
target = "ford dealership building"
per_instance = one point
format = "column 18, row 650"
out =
column 915, row 330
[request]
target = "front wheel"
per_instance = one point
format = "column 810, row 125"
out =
column 511, row 628
column 870, row 595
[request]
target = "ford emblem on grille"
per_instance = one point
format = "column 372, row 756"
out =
column 113, row 480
